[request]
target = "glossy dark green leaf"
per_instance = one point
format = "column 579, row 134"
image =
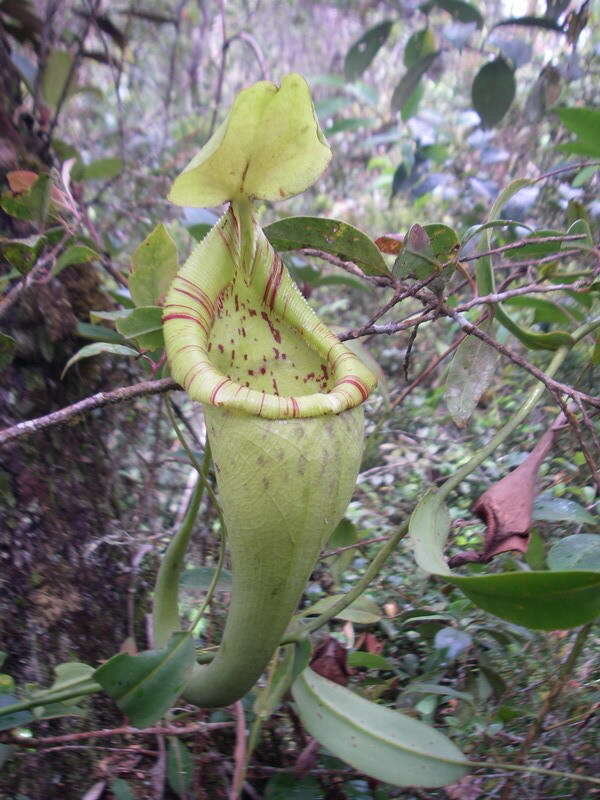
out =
column 560, row 509
column 16, row 718
column 545, row 310
column 362, row 52
column 580, row 551
column 331, row 236
column 410, row 80
column 200, row 578
column 532, row 22
column 146, row 686
column 289, row 786
column 96, row 349
column 180, row 767
column 8, row 346
column 469, row 375
column 493, row 91
column 458, row 9
column 539, row 600
column 375, row 740
column 75, row 254
column 102, row 169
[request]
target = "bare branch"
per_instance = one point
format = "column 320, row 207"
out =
column 99, row 400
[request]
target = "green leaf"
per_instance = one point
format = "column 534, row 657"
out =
column 8, row 347
column 422, row 43
column 99, row 333
column 363, row 611
column 154, row 265
column 362, row 52
column 345, row 534
column 585, row 122
column 382, row 743
column 330, row 235
column 75, row 254
column 423, row 687
column 428, row 531
column 580, row 551
column 102, row 169
column 369, row 661
column 144, row 324
column 410, row 80
column 55, row 76
column 95, row 349
column 121, row 790
column 459, row 10
column 31, row 205
column 493, row 91
column 180, row 767
column 145, row 686
column 200, row 578
column 349, row 124
column 559, row 509
column 270, row 147
column 539, row 600
column 539, row 249
column 410, row 108
column 545, row 310
column 16, row 718
column 22, row 253
column 199, row 231
column 452, row 641
column 471, row 372
column 289, row 786
column 536, row 551
column 532, row 22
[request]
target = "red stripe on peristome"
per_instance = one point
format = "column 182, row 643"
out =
column 168, row 317
column 364, row 392
column 295, row 407
column 216, row 390
column 201, row 296
column 273, row 281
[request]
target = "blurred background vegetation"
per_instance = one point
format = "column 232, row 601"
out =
column 430, row 109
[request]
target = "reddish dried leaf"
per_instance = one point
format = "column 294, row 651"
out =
column 390, row 243
column 330, row 661
column 507, row 506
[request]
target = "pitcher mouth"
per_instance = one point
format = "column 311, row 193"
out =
column 263, row 353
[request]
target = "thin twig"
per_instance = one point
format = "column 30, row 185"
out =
column 98, row 400
column 126, row 730
column 239, row 752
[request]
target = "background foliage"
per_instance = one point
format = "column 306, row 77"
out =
column 431, row 109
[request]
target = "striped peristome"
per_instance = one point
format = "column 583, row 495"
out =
column 246, row 339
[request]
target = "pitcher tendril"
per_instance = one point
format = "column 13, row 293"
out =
column 282, row 395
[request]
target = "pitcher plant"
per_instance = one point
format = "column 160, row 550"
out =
column 282, row 396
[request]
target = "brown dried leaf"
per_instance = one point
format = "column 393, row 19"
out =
column 507, row 506
column 390, row 243
column 330, row 661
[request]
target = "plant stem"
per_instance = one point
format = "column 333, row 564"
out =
column 356, row 591
column 87, row 687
